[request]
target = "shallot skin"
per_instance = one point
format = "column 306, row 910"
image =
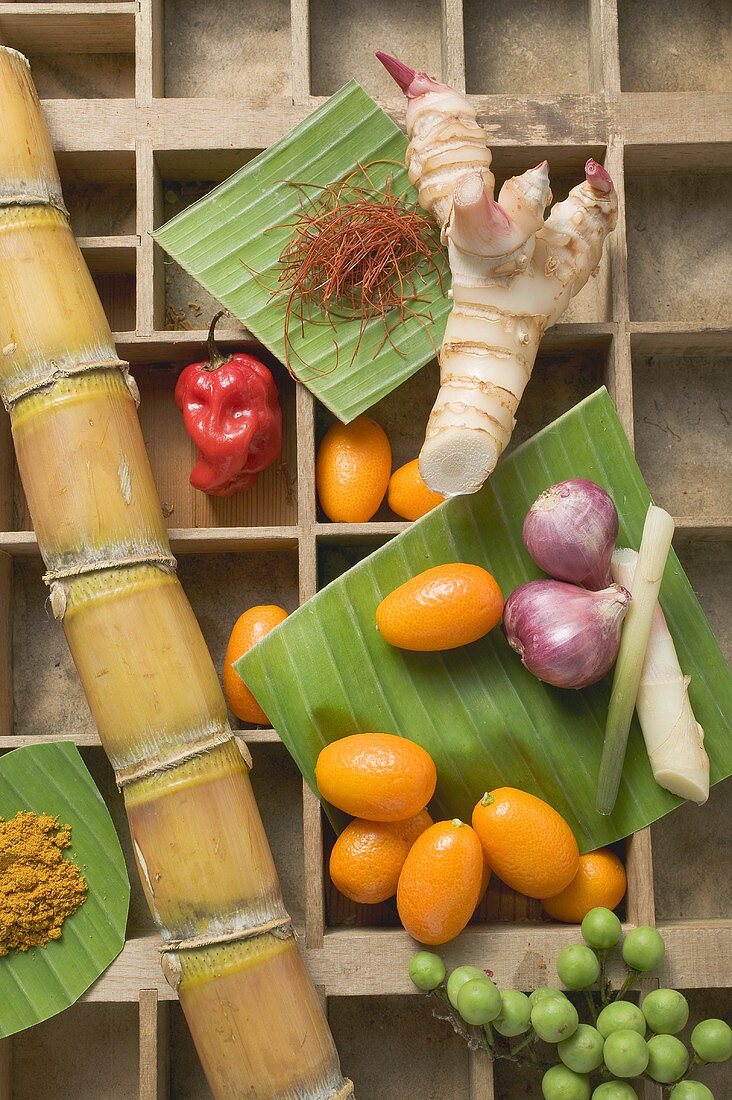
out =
column 566, row 636
column 570, row 532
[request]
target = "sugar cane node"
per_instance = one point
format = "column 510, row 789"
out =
column 9, row 399
column 125, row 776
column 344, row 1092
column 282, row 929
column 54, row 578
column 166, row 562
column 32, row 200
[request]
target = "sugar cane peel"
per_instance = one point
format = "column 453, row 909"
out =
column 655, row 544
column 513, row 275
column 674, row 739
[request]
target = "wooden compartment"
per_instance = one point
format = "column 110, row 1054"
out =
column 89, row 1050
column 709, row 567
column 100, row 192
column 560, row 379
column 272, row 500
column 679, row 220
column 683, row 426
column 187, row 1080
column 181, row 178
column 340, row 553
column 691, row 851
column 112, row 261
column 511, row 47
column 139, row 921
column 691, row 860
column 501, row 904
column 278, row 788
column 227, row 50
column 78, row 51
column 436, row 1067
column 197, row 89
column 117, row 291
column 675, row 47
column 51, row 703
column 403, row 415
column 345, row 33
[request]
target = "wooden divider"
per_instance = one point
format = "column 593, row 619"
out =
column 6, row 1069
column 154, row 1077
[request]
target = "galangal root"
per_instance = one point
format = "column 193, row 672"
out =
column 513, row 274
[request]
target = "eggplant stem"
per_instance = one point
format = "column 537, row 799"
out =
column 655, row 545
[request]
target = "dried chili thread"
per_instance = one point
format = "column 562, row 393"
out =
column 357, row 252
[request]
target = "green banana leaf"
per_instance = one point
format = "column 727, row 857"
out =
column 38, row 983
column 326, row 672
column 230, row 242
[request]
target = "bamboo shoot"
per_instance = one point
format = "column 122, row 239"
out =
column 201, row 850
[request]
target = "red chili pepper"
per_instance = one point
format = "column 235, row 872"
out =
column 231, row 412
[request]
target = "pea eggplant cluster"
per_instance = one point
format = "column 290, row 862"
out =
column 620, row 1043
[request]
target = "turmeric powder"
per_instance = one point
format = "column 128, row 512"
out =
column 39, row 887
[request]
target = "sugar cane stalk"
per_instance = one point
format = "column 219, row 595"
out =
column 204, row 861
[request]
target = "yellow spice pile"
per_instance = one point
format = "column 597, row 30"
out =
column 39, row 888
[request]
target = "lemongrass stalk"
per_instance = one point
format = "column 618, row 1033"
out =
column 513, row 274
column 655, row 544
column 206, row 868
column 674, row 739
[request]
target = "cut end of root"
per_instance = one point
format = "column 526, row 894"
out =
column 692, row 785
column 479, row 225
column 598, row 178
column 457, row 461
column 470, row 190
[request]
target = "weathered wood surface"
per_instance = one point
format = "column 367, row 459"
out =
column 372, row 962
column 121, row 156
